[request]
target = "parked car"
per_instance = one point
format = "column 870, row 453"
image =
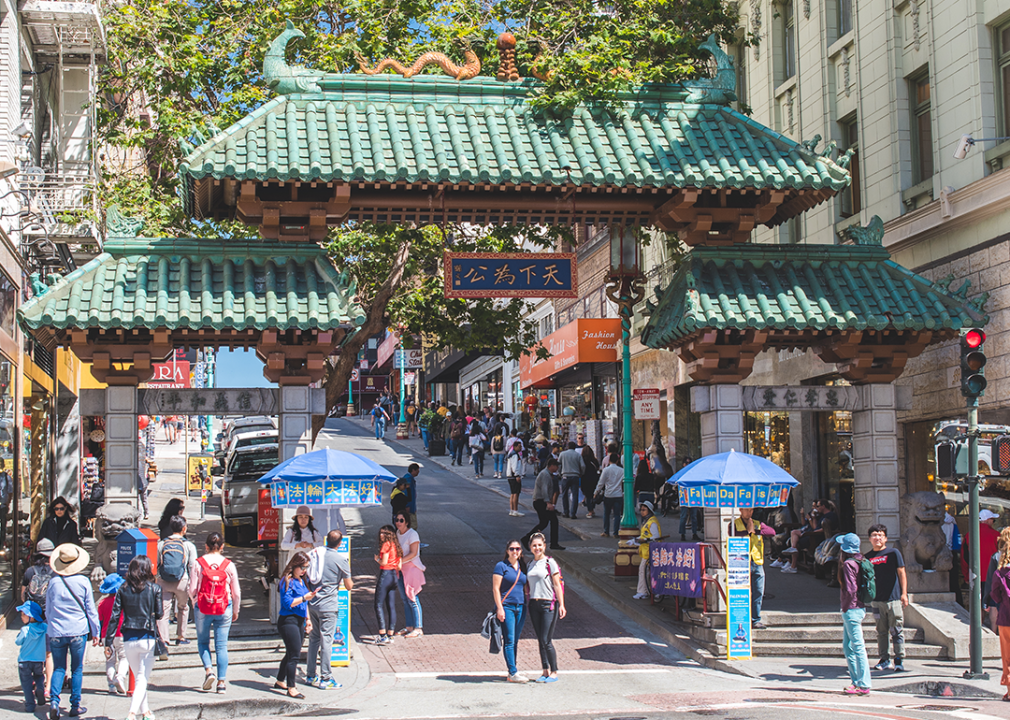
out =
column 244, row 439
column 240, row 491
column 241, row 425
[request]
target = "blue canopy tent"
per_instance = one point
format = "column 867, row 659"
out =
column 326, row 477
column 733, row 480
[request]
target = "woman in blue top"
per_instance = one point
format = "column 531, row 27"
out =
column 292, row 621
column 508, row 584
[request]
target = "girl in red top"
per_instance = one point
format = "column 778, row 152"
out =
column 117, row 669
column 389, row 559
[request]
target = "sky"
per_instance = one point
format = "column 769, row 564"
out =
column 240, row 368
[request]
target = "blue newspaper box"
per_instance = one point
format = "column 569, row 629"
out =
column 132, row 543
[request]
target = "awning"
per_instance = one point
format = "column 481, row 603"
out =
column 581, row 341
column 443, row 366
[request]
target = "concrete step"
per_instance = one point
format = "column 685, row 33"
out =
column 817, row 634
column 913, row 651
column 777, row 618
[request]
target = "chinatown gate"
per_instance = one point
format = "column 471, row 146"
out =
column 332, row 148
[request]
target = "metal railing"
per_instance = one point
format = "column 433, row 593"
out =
column 60, row 197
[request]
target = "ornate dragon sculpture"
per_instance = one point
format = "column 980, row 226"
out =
column 284, row 78
column 718, row 89
column 470, row 69
column 872, row 234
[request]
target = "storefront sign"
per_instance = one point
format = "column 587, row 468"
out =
column 370, row 384
column 586, row 340
column 738, row 613
column 386, row 349
column 198, row 472
column 414, row 358
column 676, row 569
column 646, row 403
column 800, row 398
column 733, row 496
column 170, row 375
column 267, row 516
column 325, row 492
column 506, row 275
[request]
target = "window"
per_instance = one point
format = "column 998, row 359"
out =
column 740, row 64
column 922, row 128
column 844, row 9
column 851, row 197
column 546, row 326
column 1003, row 74
column 788, row 40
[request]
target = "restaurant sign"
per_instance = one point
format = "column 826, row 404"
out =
column 585, row 340
column 508, row 275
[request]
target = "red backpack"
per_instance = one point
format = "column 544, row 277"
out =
column 212, row 597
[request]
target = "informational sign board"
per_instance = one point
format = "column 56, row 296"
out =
column 676, row 569
column 340, row 655
column 198, row 475
column 268, row 517
column 414, row 358
column 355, row 375
column 409, row 378
column 723, row 496
column 646, row 402
column 507, row 275
column 738, row 610
column 325, row 492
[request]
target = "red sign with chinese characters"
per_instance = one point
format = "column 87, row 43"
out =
column 586, row 340
column 508, row 275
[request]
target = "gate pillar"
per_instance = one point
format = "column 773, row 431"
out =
column 121, row 457
column 875, row 459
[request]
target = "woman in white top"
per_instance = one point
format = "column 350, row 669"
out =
column 301, row 536
column 410, row 579
column 547, row 604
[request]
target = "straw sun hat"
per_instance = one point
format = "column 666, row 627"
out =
column 69, row 559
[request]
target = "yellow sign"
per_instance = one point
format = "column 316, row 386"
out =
column 198, row 471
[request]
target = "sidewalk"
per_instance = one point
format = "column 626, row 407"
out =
column 590, row 560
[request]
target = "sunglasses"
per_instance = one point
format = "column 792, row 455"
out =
column 60, row 508
column 400, row 520
column 518, row 549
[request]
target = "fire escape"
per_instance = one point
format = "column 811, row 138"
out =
column 62, row 188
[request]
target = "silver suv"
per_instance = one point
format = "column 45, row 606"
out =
column 240, row 491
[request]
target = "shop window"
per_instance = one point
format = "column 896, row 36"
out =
column 12, row 524
column 1003, row 74
column 843, row 12
column 8, row 304
column 850, row 198
column 606, row 397
column 922, row 127
column 766, row 434
column 837, row 470
column 787, row 39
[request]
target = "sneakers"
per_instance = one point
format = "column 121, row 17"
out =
column 759, row 625
column 777, row 564
column 853, row 690
column 640, row 596
column 557, row 547
column 518, row 678
column 77, row 711
column 382, row 640
column 790, row 551
column 54, row 713
column 328, row 684
column 899, row 667
column 789, row 570
column 883, row 665
column 604, row 534
column 208, row 681
column 311, row 680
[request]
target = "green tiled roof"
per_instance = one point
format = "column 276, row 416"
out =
column 435, row 129
column 819, row 287
column 190, row 283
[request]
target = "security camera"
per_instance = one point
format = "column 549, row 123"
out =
column 963, row 146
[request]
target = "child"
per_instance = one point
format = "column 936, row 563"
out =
column 400, row 498
column 32, row 658
column 117, row 669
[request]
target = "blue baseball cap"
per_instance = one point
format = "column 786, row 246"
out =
column 32, row 610
column 849, row 542
column 111, row 584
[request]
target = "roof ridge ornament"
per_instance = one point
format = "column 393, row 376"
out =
column 717, row 90
column 507, row 70
column 469, row 69
column 872, row 234
column 121, row 226
column 287, row 79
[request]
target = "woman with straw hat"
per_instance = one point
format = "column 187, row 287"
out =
column 72, row 619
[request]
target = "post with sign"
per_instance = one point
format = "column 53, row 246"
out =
column 355, row 373
column 646, row 403
column 738, row 607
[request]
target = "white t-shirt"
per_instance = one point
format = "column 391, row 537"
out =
column 406, row 540
column 538, row 575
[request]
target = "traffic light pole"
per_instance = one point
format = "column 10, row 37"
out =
column 975, row 671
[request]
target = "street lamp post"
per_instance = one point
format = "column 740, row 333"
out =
column 625, row 290
column 401, row 425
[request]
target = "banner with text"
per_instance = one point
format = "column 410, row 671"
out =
column 676, row 569
column 738, row 613
column 506, row 275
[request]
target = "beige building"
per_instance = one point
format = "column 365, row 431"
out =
column 895, row 86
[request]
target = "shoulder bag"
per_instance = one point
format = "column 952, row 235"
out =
column 81, row 605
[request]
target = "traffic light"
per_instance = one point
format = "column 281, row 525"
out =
column 946, row 460
column 973, row 380
column 1000, row 449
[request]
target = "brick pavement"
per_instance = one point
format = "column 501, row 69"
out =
column 455, row 601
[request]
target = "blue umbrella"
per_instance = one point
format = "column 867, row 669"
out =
column 326, row 477
column 733, row 480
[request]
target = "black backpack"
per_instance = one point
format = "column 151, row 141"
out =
column 37, row 586
column 498, row 444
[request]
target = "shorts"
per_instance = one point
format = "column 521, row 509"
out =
column 515, row 485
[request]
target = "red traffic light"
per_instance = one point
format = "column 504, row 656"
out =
column 974, row 338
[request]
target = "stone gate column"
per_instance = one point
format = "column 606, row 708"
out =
column 875, row 459
column 295, row 421
column 121, row 461
column 721, row 409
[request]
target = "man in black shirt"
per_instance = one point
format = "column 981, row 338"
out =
column 891, row 598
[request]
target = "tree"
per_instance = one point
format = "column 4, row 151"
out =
column 177, row 69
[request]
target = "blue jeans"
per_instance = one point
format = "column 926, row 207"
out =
column 221, row 625
column 854, row 647
column 60, row 647
column 424, row 437
column 612, row 506
column 757, row 589
column 33, row 682
column 695, row 515
column 478, row 460
column 570, row 489
column 499, row 463
column 380, row 428
column 512, row 628
column 411, row 608
column 457, row 451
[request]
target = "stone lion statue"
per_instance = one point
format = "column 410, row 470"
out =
column 923, row 544
column 110, row 520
